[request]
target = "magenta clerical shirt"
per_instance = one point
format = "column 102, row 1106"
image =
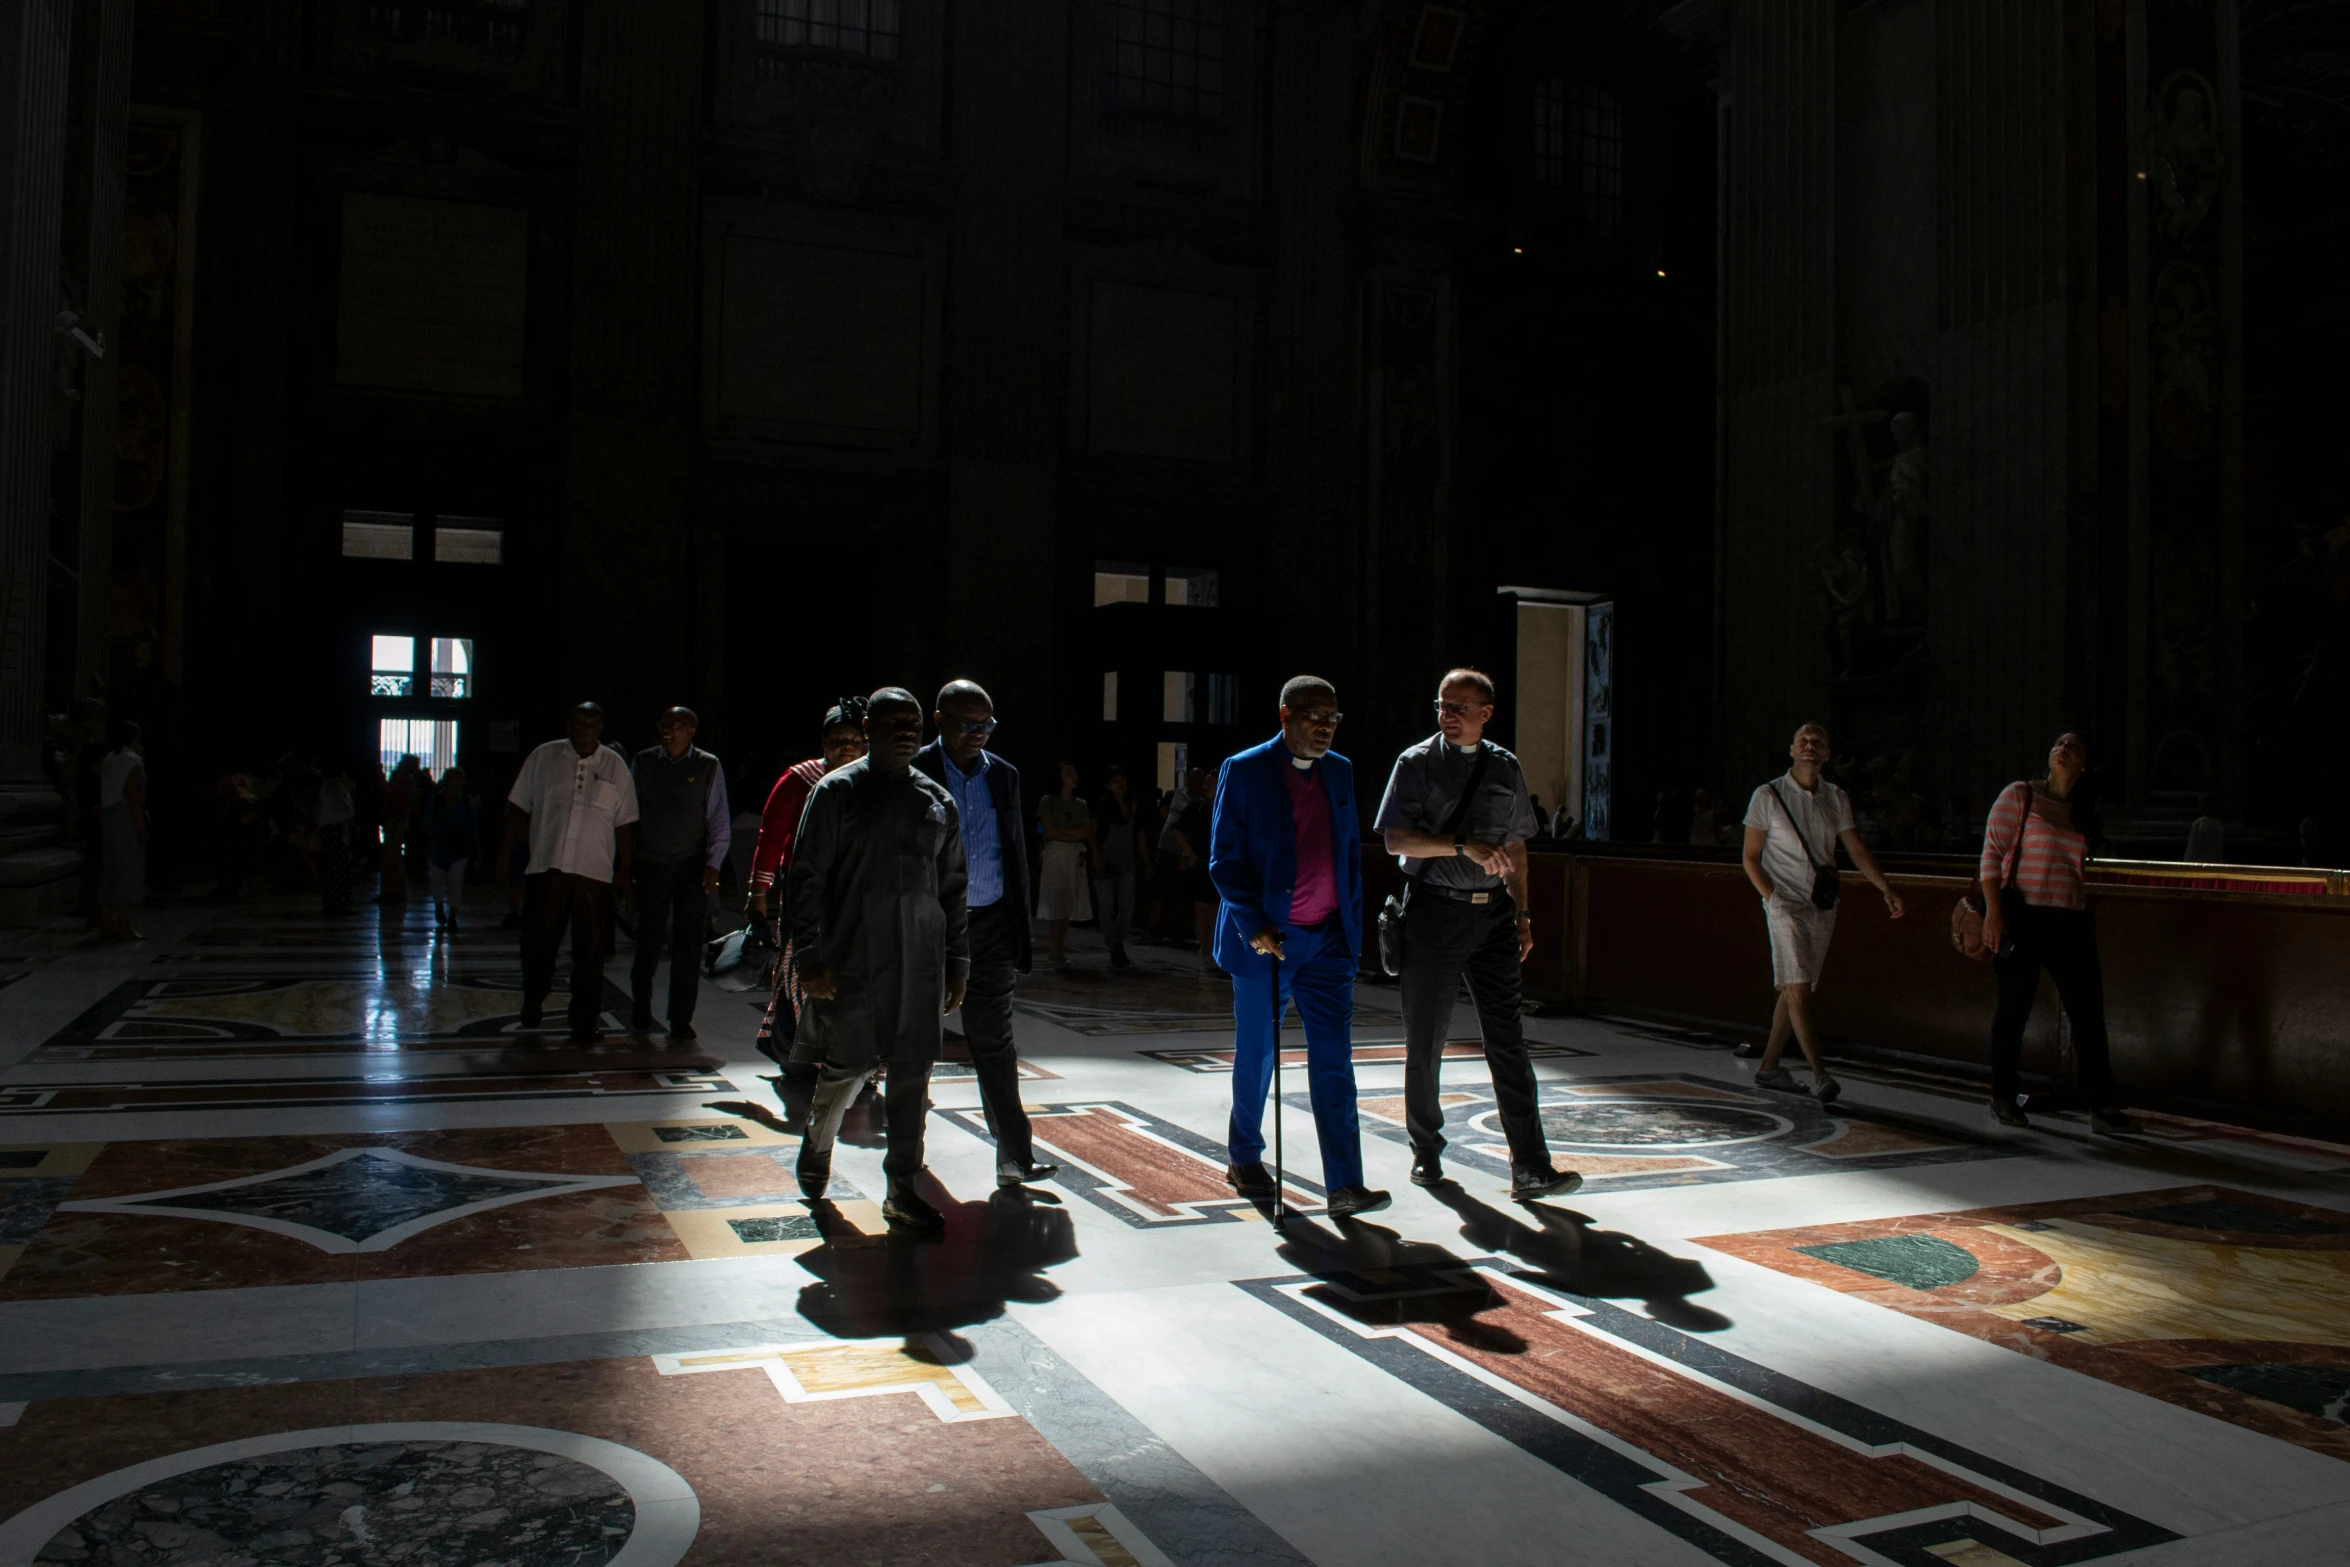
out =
column 1316, row 896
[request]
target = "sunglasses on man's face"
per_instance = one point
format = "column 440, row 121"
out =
column 972, row 726
column 1321, row 718
column 1458, row 709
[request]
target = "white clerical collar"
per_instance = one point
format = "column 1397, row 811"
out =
column 1465, row 750
column 1303, row 764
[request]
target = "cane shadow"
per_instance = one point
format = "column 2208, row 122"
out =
column 900, row 1285
column 1563, row 1249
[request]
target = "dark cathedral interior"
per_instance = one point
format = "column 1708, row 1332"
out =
column 713, row 712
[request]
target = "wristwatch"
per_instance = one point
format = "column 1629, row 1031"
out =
column 1460, row 841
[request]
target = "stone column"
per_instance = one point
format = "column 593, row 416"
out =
column 35, row 48
column 629, row 629
column 1010, row 560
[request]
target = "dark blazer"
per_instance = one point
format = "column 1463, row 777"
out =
column 1252, row 854
column 1011, row 832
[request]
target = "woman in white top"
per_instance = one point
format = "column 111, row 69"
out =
column 122, row 836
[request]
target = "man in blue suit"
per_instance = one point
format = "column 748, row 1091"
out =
column 1285, row 856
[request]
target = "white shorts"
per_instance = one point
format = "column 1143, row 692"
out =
column 1799, row 941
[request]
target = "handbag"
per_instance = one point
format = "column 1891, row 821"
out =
column 1826, row 885
column 1966, row 916
column 1392, row 911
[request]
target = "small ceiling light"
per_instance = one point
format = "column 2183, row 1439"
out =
column 1519, row 250
column 2141, row 174
column 1660, row 271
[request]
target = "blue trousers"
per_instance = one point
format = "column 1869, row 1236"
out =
column 1319, row 975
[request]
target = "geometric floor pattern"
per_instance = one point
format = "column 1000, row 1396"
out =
column 309, row 1253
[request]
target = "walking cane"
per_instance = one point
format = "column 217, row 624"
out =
column 1280, row 1164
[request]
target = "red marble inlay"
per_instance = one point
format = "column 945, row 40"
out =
column 1157, row 1176
column 1754, row 1468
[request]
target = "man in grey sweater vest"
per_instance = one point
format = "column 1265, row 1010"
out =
column 683, row 829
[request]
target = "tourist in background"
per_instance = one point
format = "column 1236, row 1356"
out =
column 1061, row 892
column 577, row 806
column 122, row 835
column 1114, row 866
column 842, row 741
column 2036, row 916
column 682, row 829
column 1793, row 824
column 1193, row 832
column 400, row 792
column 336, row 807
column 453, row 833
column 1704, row 832
column 2207, row 836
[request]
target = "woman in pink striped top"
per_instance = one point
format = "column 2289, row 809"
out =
column 2035, row 916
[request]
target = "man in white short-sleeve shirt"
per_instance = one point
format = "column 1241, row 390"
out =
column 1793, row 824
column 575, row 799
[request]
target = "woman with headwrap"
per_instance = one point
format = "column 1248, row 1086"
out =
column 779, row 824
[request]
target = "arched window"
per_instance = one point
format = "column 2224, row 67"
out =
column 866, row 27
column 1579, row 156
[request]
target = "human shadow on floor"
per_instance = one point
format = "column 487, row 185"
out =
column 863, row 1126
column 993, row 1252
column 1564, row 1250
column 1373, row 1275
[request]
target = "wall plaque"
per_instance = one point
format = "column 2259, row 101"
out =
column 432, row 296
column 821, row 335
column 1161, row 373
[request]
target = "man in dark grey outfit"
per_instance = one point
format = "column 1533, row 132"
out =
column 875, row 906
column 1457, row 815
column 683, row 828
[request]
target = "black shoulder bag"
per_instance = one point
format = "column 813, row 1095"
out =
column 1825, row 886
column 1391, row 912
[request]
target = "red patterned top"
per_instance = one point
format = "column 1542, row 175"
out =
column 779, row 823
column 2048, row 871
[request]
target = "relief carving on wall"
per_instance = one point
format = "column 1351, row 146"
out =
column 2184, row 162
column 2186, row 350
column 832, row 112
column 1873, row 573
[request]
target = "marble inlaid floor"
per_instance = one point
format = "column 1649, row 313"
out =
column 309, row 1254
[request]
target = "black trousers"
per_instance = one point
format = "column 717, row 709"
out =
column 672, row 914
column 987, row 1024
column 1445, row 942
column 553, row 902
column 2064, row 942
column 905, row 1107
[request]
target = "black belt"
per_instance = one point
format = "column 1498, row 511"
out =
column 1421, row 889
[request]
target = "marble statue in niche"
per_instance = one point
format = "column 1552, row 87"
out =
column 2184, row 162
column 1873, row 574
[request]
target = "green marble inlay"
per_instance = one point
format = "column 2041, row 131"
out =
column 791, row 1227
column 2323, row 1391
column 1922, row 1262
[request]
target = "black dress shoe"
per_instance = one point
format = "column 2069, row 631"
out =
column 1428, row 1171
column 814, row 1170
column 1250, row 1180
column 587, row 1036
column 1348, row 1201
column 1526, row 1185
column 640, row 1022
column 906, row 1210
column 2008, row 1113
column 2113, row 1123
column 1020, row 1172
column 531, row 1017
column 682, row 1031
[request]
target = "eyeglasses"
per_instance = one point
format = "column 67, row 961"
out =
column 1321, row 718
column 975, row 726
column 1458, row 709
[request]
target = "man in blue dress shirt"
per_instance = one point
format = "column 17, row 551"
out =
column 986, row 791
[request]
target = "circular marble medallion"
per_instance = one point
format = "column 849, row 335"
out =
column 436, row 1494
column 1649, row 1123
